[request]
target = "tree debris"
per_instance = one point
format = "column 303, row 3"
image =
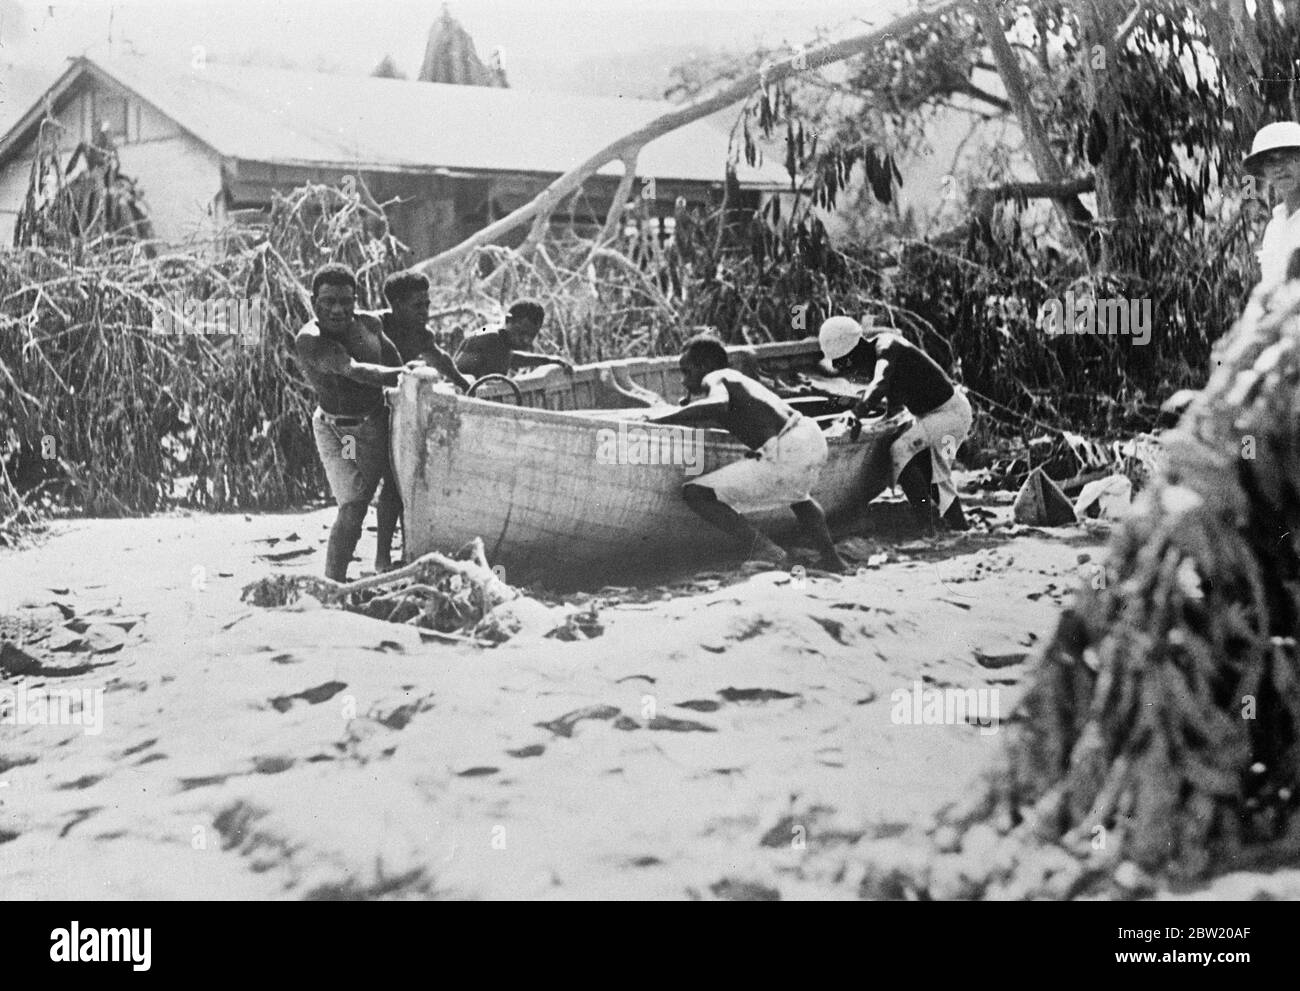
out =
column 1161, row 727
column 458, row 597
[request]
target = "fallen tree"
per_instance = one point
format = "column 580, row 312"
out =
column 1160, row 734
column 626, row 148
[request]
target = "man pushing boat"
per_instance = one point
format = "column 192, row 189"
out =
column 786, row 459
column 904, row 375
column 497, row 350
column 348, row 360
column 406, row 324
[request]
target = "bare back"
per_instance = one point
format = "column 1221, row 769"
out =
column 754, row 413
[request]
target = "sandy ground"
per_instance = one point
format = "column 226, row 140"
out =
column 727, row 737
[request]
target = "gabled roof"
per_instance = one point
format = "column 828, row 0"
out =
column 361, row 122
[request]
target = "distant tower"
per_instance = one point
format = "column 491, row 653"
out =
column 387, row 69
column 449, row 57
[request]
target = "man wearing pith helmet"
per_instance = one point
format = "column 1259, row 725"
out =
column 904, row 375
column 1275, row 158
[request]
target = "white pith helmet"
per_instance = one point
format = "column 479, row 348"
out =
column 838, row 336
column 1281, row 136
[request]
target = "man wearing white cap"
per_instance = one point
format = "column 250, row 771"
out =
column 904, row 375
column 1275, row 158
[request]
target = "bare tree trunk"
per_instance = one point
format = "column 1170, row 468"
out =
column 1076, row 215
column 1219, row 27
column 1100, row 26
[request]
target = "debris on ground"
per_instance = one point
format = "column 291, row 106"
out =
column 1041, row 503
column 1107, row 498
column 1073, row 462
column 460, row 597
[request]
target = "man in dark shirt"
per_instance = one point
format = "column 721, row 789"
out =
column 406, row 324
column 904, row 375
column 348, row 361
column 496, row 350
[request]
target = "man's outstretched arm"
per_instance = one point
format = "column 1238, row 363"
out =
column 439, row 359
column 877, row 391
column 709, row 409
column 327, row 356
column 531, row 359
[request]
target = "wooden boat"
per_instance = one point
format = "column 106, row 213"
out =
column 531, row 480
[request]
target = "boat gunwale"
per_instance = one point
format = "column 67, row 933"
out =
column 862, row 465
column 470, row 405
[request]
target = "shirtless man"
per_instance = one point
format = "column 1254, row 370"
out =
column 904, row 375
column 496, row 350
column 631, row 395
column 348, row 361
column 789, row 452
column 406, row 324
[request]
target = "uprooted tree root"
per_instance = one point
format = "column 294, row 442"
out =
column 1160, row 736
column 458, row 598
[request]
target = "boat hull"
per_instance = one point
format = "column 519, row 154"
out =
column 537, row 486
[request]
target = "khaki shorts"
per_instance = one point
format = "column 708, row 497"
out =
column 942, row 431
column 784, row 472
column 355, row 454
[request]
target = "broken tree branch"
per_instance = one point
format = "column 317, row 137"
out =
column 983, row 199
column 970, row 89
column 1130, row 22
column 617, row 207
column 1038, row 190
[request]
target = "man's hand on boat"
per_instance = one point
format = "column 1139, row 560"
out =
column 827, row 369
column 692, row 413
column 448, row 373
column 565, row 365
column 865, row 408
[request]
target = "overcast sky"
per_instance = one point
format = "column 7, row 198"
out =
column 355, row 34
